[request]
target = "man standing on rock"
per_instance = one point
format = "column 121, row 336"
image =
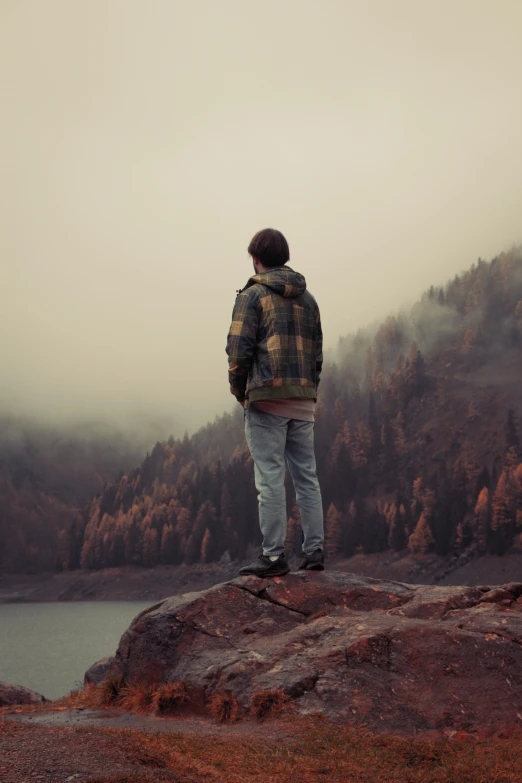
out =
column 275, row 358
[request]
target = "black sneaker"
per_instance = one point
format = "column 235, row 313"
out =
column 312, row 562
column 263, row 566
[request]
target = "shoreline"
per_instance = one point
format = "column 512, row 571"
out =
column 133, row 583
column 128, row 583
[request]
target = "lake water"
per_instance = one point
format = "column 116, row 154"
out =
column 49, row 646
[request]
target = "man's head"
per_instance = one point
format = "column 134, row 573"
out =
column 268, row 249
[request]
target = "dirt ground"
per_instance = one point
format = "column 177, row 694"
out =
column 73, row 746
column 57, row 754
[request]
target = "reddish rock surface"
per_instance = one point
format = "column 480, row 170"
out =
column 97, row 672
column 398, row 657
column 17, row 694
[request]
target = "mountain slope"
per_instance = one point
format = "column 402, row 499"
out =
column 416, row 438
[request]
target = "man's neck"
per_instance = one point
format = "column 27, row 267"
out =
column 260, row 269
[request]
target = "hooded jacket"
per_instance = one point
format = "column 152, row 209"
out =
column 275, row 342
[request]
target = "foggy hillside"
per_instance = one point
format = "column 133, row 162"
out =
column 48, row 472
column 417, row 439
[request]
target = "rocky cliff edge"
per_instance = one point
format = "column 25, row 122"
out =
column 397, row 657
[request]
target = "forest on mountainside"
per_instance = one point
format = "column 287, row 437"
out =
column 418, row 446
column 48, row 472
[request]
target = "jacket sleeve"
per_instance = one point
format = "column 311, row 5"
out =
column 241, row 344
column 319, row 349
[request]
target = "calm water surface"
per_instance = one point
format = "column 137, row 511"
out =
column 48, row 646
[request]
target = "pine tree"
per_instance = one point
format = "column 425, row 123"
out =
column 396, row 533
column 206, row 547
column 518, row 316
column 333, row 535
column 183, row 522
column 341, row 480
column 373, row 426
column 503, row 512
column 421, row 539
column 351, row 534
column 339, row 415
column 415, row 373
column 398, row 430
column 362, row 445
column 416, row 499
column 512, row 437
column 374, row 533
column 469, row 341
column 370, row 369
column 168, row 549
column 482, row 514
column 150, row 547
column 518, row 496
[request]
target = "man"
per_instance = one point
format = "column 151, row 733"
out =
column 275, row 359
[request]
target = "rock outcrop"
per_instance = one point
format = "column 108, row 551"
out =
column 397, row 657
column 97, row 672
column 17, row 694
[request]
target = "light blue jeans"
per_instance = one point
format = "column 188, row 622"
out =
column 272, row 440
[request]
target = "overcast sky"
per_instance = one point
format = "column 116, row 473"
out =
column 144, row 142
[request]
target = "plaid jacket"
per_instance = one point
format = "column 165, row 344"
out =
column 275, row 342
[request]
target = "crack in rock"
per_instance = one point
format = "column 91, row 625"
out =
column 201, row 630
column 265, row 596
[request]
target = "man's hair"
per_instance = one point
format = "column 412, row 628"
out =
column 270, row 247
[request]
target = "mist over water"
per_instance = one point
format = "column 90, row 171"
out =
column 142, row 146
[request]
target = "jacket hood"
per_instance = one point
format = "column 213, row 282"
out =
column 282, row 279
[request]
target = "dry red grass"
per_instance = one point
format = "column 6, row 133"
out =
column 135, row 698
column 163, row 699
column 314, row 750
column 169, row 697
column 322, row 751
column 273, row 703
column 223, row 706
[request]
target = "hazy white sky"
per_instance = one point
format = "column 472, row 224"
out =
column 144, row 142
